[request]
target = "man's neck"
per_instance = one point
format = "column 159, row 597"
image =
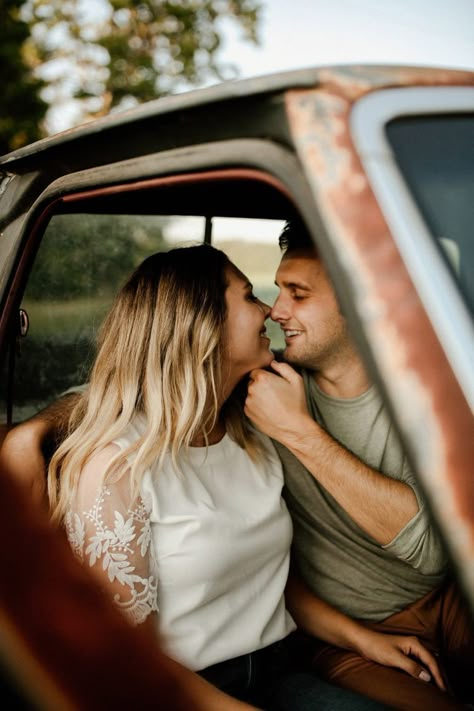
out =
column 344, row 380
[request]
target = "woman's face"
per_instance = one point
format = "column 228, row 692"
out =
column 247, row 345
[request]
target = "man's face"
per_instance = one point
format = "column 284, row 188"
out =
column 308, row 312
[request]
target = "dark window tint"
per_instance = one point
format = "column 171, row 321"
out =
column 436, row 157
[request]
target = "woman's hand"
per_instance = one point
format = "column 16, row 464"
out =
column 398, row 651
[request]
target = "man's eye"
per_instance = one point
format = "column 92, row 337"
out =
column 298, row 297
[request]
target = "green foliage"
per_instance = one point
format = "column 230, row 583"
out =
column 89, row 255
column 21, row 108
column 82, row 262
column 128, row 51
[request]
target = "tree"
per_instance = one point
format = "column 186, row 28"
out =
column 81, row 255
column 115, row 53
column 21, row 108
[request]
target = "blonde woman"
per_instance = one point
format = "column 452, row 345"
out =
column 174, row 501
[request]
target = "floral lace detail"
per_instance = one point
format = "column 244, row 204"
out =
column 75, row 533
column 114, row 548
column 141, row 603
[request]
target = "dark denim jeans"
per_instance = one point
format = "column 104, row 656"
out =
column 277, row 678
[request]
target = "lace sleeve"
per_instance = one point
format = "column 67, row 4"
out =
column 110, row 533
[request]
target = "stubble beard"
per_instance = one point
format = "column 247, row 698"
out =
column 315, row 357
column 303, row 359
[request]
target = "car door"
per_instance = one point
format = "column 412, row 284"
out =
column 392, row 173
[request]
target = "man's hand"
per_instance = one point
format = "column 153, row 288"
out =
column 21, row 454
column 21, row 458
column 276, row 404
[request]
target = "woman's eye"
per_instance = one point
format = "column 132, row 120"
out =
column 252, row 297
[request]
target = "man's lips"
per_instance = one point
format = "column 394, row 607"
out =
column 291, row 333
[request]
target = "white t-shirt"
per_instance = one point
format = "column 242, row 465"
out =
column 207, row 546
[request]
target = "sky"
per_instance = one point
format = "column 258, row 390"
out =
column 302, row 33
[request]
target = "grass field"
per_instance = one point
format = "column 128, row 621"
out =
column 53, row 318
column 66, row 320
column 81, row 318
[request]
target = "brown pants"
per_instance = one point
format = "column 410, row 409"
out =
column 442, row 623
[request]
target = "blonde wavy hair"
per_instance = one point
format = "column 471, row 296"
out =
column 160, row 355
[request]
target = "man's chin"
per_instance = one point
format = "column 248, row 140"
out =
column 292, row 357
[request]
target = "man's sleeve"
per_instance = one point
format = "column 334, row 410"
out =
column 419, row 543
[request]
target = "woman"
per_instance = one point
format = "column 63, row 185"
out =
column 172, row 498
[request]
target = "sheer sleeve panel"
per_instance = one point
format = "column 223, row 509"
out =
column 110, row 533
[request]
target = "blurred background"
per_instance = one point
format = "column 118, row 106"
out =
column 63, row 62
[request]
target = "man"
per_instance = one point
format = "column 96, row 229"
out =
column 363, row 537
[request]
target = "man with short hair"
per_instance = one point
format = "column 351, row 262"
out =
column 363, row 537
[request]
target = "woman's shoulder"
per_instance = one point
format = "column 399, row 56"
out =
column 100, row 459
column 131, row 432
column 94, row 469
column 268, row 457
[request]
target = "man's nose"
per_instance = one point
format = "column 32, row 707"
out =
column 280, row 310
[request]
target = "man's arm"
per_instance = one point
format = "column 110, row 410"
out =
column 380, row 505
column 22, row 453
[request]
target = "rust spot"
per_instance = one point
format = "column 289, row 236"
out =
column 406, row 349
column 355, row 81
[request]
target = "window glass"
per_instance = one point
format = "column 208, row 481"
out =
column 82, row 262
column 436, row 157
column 253, row 246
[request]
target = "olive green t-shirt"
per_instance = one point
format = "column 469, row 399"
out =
column 339, row 561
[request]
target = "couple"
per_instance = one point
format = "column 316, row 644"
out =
column 173, row 498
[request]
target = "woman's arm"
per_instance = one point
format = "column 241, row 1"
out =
column 320, row 619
